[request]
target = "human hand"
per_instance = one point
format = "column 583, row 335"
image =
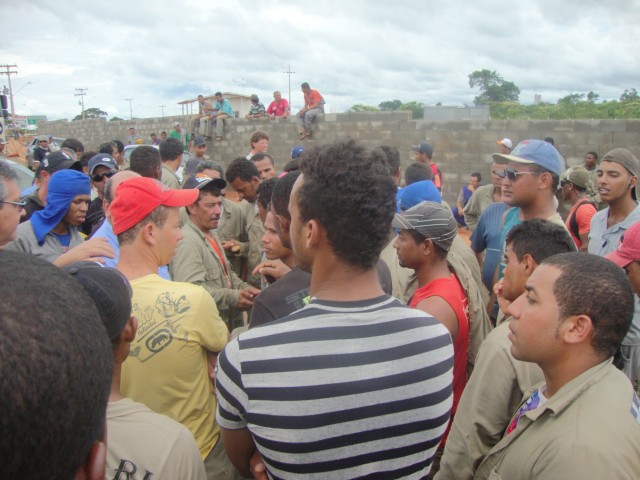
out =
column 274, row 268
column 231, row 246
column 92, row 250
column 246, row 298
column 257, row 467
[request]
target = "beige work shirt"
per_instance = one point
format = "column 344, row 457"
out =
column 493, row 393
column 589, row 429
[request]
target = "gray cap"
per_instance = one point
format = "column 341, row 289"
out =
column 433, row 220
column 577, row 175
column 623, row 157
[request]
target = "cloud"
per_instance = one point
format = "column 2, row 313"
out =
column 353, row 52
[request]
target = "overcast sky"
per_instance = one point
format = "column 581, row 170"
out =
column 353, row 51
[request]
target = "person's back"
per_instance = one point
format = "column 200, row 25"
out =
column 355, row 383
column 139, row 441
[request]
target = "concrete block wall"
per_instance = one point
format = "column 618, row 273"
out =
column 460, row 147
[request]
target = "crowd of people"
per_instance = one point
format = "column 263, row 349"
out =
column 326, row 320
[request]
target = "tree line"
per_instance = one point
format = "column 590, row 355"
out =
column 502, row 97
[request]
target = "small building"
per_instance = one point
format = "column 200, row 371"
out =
column 240, row 103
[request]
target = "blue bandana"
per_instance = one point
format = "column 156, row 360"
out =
column 64, row 186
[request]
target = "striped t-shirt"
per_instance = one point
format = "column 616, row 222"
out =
column 341, row 390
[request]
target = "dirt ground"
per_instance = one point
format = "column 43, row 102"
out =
column 17, row 150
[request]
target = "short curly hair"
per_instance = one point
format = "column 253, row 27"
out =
column 348, row 190
column 593, row 286
column 243, row 169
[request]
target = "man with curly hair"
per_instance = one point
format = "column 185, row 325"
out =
column 355, row 383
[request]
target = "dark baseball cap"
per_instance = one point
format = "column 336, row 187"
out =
column 102, row 160
column 60, row 160
column 201, row 181
column 424, row 147
column 110, row 291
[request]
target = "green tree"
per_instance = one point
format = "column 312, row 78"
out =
column 416, row 109
column 630, row 95
column 571, row 99
column 390, row 105
column 113, row 119
column 493, row 88
column 91, row 113
column 363, row 108
column 592, row 97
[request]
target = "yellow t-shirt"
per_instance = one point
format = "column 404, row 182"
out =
column 167, row 365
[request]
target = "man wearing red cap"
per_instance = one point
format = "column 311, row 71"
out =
column 180, row 331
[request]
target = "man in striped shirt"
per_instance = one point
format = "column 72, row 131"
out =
column 355, row 383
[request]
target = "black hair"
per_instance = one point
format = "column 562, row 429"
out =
column 417, row 172
column 170, row 149
column 595, row 155
column 348, row 190
column 243, row 169
column 282, row 193
column 119, row 145
column 540, row 239
column 86, row 156
column 305, row 85
column 73, row 144
column 145, row 160
column 392, row 155
column 593, row 286
column 477, row 175
column 107, row 147
column 261, row 156
column 265, row 189
column 56, row 370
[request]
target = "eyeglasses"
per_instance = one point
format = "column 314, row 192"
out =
column 18, row 205
column 98, row 178
column 512, row 175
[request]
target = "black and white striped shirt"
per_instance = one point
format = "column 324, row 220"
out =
column 341, row 390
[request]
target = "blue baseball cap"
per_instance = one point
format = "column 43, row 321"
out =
column 536, row 152
column 297, row 151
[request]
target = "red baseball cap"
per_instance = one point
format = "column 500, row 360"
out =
column 628, row 249
column 138, row 197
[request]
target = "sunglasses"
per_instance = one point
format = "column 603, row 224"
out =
column 512, row 175
column 98, row 178
column 18, row 205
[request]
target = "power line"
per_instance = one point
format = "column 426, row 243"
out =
column 8, row 73
column 289, row 72
column 80, row 93
column 130, row 107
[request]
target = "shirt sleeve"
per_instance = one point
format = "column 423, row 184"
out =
column 584, row 214
column 230, row 392
column 478, row 237
column 488, row 401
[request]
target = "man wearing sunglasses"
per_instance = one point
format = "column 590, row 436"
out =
column 529, row 184
column 101, row 168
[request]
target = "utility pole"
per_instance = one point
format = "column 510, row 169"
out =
column 80, row 93
column 130, row 107
column 7, row 71
column 289, row 72
column 162, row 107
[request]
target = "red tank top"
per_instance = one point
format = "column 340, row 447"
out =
column 452, row 292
